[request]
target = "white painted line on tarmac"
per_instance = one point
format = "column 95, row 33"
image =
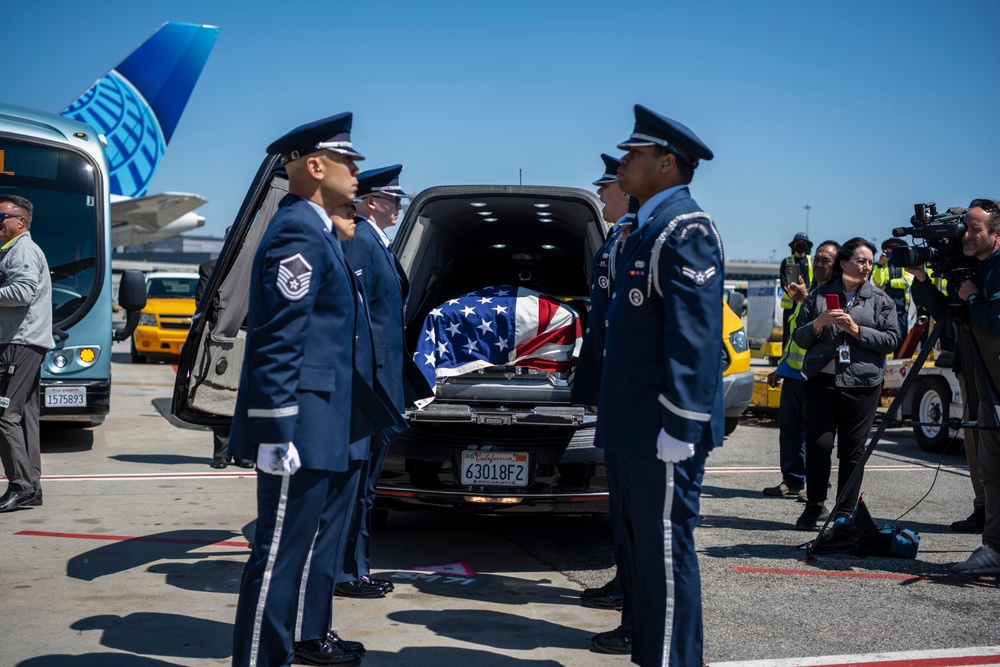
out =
column 903, row 467
column 960, row 657
column 241, row 473
column 152, row 476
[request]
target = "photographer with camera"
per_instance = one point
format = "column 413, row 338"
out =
column 981, row 294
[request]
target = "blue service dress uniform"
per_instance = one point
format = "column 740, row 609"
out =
column 663, row 370
column 296, row 386
column 373, row 416
column 587, row 380
column 379, row 271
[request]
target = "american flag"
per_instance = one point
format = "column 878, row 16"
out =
column 498, row 326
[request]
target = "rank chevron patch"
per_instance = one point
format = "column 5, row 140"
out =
column 698, row 277
column 294, row 275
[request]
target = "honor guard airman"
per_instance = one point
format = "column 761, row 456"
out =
column 293, row 412
column 660, row 405
column 378, row 270
column 587, row 379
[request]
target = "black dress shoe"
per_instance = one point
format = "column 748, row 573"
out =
column 975, row 523
column 15, row 500
column 243, row 463
column 599, row 592
column 618, row 641
column 611, row 600
column 359, row 589
column 37, row 500
column 382, row 583
column 343, row 644
column 322, row 652
column 218, row 463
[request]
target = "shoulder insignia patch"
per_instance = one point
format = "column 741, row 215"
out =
column 694, row 226
column 294, row 275
column 698, row 277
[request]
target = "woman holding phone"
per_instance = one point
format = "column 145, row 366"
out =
column 847, row 328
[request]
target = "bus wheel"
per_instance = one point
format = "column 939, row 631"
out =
column 136, row 357
column 731, row 424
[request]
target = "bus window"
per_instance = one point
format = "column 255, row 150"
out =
column 61, row 185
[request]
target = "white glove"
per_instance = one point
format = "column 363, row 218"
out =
column 671, row 450
column 280, row 459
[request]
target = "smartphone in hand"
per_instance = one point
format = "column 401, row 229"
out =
column 832, row 301
column 791, row 275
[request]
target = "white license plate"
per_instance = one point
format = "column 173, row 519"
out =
column 494, row 468
column 65, row 397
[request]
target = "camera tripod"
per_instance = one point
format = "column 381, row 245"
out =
column 965, row 342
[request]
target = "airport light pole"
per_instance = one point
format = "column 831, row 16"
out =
column 807, row 207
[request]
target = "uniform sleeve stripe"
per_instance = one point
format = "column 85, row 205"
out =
column 686, row 414
column 274, row 413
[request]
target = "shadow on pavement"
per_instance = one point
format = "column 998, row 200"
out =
column 93, row 659
column 443, row 655
column 209, row 576
column 494, row 588
column 135, row 552
column 172, row 635
column 506, row 631
column 59, row 438
column 166, row 459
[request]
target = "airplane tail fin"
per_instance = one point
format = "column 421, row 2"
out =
column 138, row 104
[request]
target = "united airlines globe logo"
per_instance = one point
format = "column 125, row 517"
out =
column 116, row 109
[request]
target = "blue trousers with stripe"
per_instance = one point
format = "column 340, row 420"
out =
column 357, row 559
column 660, row 511
column 301, row 523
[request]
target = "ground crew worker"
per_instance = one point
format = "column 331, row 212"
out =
column 25, row 335
column 660, row 405
column 895, row 282
column 801, row 247
column 791, row 406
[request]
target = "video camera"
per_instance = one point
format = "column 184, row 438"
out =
column 942, row 246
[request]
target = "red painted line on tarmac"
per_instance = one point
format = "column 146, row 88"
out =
column 850, row 575
column 981, row 655
column 134, row 538
column 963, row 661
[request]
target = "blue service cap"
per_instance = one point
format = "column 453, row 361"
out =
column 653, row 129
column 383, row 180
column 611, row 165
column 332, row 134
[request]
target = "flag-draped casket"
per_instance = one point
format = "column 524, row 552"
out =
column 498, row 326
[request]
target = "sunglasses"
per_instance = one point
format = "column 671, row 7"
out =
column 4, row 216
column 990, row 205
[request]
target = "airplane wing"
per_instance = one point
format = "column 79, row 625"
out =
column 153, row 212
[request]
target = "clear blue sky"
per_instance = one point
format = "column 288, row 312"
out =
column 858, row 109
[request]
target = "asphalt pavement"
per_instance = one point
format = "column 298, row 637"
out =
column 135, row 559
